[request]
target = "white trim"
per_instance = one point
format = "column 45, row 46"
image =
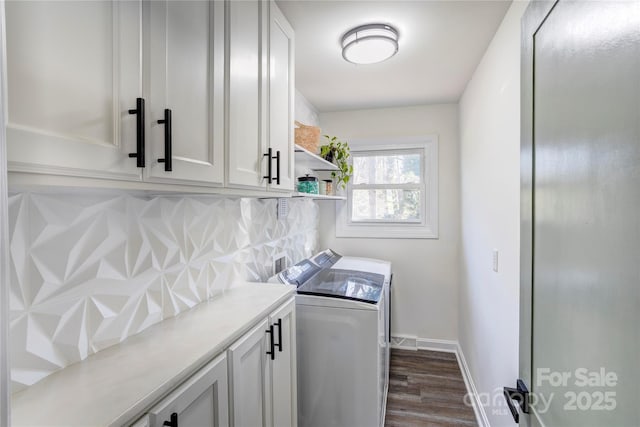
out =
column 446, row 346
column 428, row 227
column 407, row 342
column 478, row 409
column 4, row 235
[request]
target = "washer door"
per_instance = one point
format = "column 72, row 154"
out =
column 345, row 284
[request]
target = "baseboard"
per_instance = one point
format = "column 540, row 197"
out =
column 481, row 415
column 405, row 342
column 437, row 345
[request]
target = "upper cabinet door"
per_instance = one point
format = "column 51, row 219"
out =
column 74, row 72
column 281, row 98
column 186, row 66
column 246, row 138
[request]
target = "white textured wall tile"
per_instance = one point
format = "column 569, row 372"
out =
column 87, row 272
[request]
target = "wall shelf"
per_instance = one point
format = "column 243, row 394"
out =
column 318, row 196
column 307, row 160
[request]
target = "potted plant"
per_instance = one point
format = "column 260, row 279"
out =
column 338, row 152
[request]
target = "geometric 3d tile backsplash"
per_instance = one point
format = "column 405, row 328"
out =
column 87, row 272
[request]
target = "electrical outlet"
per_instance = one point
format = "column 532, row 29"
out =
column 283, row 208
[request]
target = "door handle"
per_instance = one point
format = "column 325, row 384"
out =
column 268, row 155
column 139, row 112
column 521, row 394
column 173, row 421
column 279, row 344
column 271, row 343
column 277, row 167
column 269, row 177
column 167, row 141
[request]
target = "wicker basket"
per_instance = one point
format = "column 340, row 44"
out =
column 308, row 137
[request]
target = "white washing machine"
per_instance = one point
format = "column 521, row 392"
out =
column 342, row 339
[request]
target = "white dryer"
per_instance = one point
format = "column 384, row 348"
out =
column 342, row 339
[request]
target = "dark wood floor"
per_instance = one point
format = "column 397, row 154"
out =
column 426, row 389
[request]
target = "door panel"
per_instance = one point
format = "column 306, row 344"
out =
column 186, row 40
column 248, row 368
column 585, row 293
column 284, row 367
column 202, row 400
column 73, row 72
column 246, row 109
column 281, row 86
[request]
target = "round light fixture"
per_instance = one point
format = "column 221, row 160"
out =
column 368, row 44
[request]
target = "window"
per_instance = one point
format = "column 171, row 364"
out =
column 393, row 191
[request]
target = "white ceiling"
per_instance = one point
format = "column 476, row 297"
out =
column 441, row 43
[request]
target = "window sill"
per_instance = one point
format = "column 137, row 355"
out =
column 381, row 231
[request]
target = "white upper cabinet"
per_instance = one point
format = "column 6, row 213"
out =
column 74, row 71
column 281, row 98
column 261, row 91
column 186, row 84
column 189, row 92
column 247, row 144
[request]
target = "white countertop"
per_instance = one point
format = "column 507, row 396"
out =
column 120, row 383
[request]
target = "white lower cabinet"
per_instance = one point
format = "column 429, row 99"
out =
column 203, row 400
column 251, row 384
column 283, row 367
column 250, row 379
column 262, row 373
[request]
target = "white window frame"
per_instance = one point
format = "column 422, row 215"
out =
column 427, row 228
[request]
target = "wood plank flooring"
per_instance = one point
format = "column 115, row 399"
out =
column 426, row 389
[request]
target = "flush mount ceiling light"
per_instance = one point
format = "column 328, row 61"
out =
column 368, row 44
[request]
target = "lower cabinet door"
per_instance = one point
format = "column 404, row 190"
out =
column 201, row 401
column 284, row 378
column 249, row 378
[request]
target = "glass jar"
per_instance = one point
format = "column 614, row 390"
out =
column 328, row 187
column 308, row 184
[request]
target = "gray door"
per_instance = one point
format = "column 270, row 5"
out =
column 580, row 328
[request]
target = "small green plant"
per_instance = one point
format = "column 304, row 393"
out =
column 338, row 152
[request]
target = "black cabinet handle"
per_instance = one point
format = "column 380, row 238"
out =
column 268, row 155
column 269, row 177
column 173, row 422
column 139, row 112
column 279, row 325
column 271, row 343
column 277, row 167
column 167, row 140
column 521, row 394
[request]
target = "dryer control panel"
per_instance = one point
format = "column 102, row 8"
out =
column 300, row 273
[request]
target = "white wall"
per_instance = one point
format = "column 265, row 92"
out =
column 426, row 271
column 490, row 194
column 305, row 112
